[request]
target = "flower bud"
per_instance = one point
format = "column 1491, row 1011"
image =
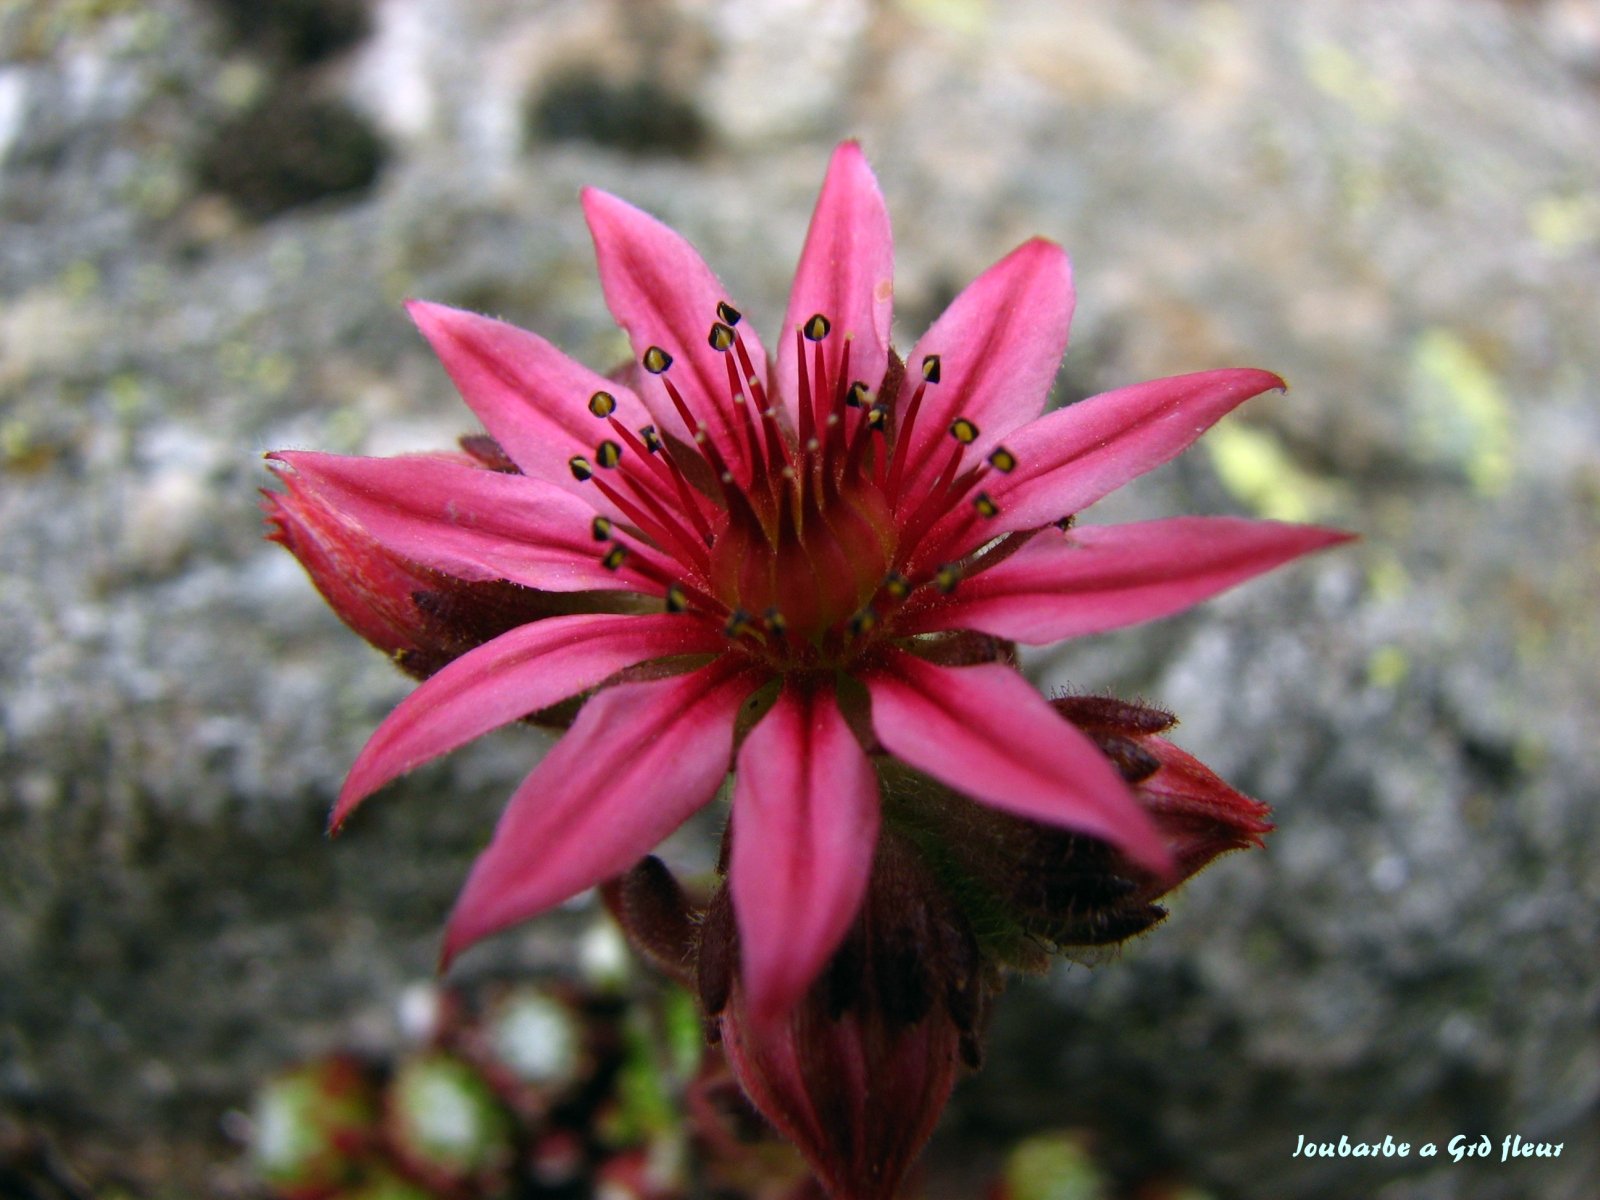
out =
column 421, row 618
column 1197, row 812
column 857, row 1075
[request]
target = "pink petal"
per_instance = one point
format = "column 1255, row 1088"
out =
column 520, row 672
column 640, row 758
column 999, row 344
column 1105, row 577
column 462, row 520
column 1070, row 458
column 663, row 294
column 985, row 732
column 846, row 273
column 805, row 812
column 531, row 398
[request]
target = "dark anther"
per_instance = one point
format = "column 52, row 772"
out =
column 738, row 623
column 601, row 528
column 985, row 505
column 727, row 313
column 1003, row 460
column 721, row 336
column 652, row 439
column 946, row 578
column 602, row 404
column 608, row 454
column 579, row 465
column 877, row 416
column 817, row 328
column 897, row 586
column 930, row 367
column 1067, row 522
column 677, row 600
column 856, row 397
column 614, row 556
column 775, row 622
column 964, row 431
column 863, row 621
column 656, row 360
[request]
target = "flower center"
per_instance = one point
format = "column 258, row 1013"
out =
column 802, row 537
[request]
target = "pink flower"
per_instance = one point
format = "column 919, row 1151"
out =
column 796, row 569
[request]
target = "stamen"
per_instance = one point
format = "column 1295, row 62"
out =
column 863, row 621
column 753, row 381
column 613, row 558
column 580, row 468
column 677, row 598
column 964, row 431
column 985, row 505
column 602, row 404
column 752, row 444
column 656, row 360
column 739, row 623
column 817, row 328
column 765, row 445
column 1067, row 522
column 875, row 421
column 946, row 578
column 1003, row 460
column 601, row 528
column 721, row 337
column 728, row 314
column 774, row 622
column 896, row 586
column 608, row 454
column 666, row 471
column 902, row 440
column 654, row 520
column 698, row 428
column 858, row 395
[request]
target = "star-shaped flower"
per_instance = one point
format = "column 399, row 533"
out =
column 795, row 569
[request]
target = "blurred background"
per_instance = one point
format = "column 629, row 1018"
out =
column 211, row 212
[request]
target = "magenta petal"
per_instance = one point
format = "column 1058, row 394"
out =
column 999, row 344
column 459, row 519
column 846, row 273
column 1070, row 458
column 984, row 731
column 640, row 758
column 805, row 824
column 518, row 673
column 1105, row 577
column 663, row 294
column 531, row 398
